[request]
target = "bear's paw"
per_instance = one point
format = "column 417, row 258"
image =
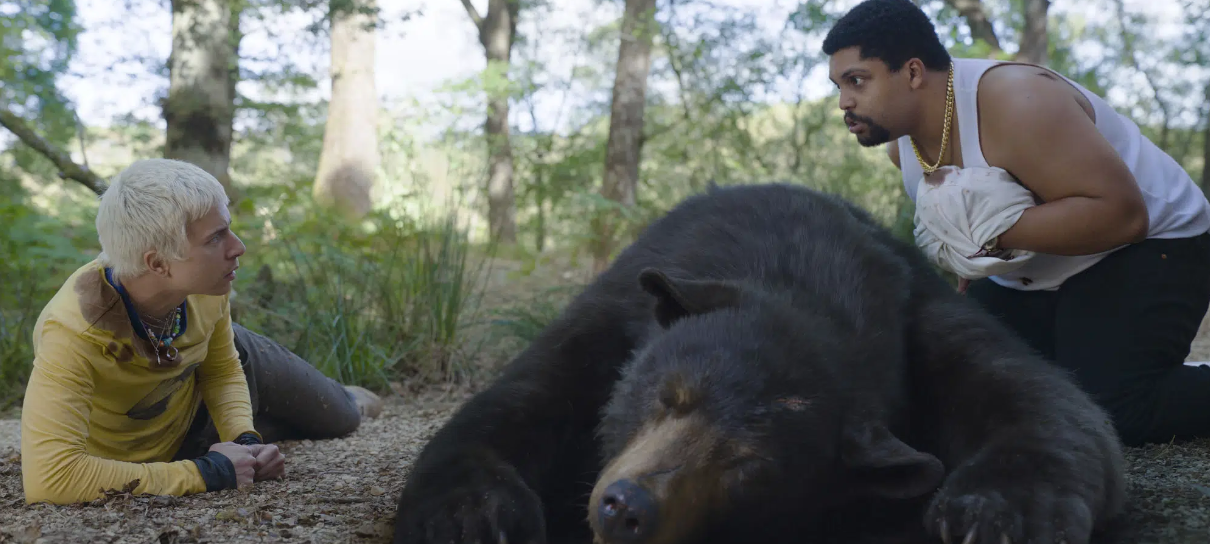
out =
column 1027, row 511
column 489, row 508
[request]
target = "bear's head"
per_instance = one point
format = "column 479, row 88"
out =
column 734, row 418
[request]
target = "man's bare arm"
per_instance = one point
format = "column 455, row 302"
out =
column 1033, row 127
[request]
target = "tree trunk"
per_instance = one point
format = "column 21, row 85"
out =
column 1034, row 39
column 200, row 107
column 978, row 22
column 496, row 33
column 350, row 158
column 622, row 150
column 497, row 38
column 1206, row 147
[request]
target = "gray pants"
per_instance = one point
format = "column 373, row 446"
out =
column 291, row 400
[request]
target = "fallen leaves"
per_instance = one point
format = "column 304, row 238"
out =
column 340, row 490
column 21, row 535
column 116, row 496
column 344, row 491
column 377, row 529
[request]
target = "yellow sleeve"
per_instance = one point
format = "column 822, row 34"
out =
column 55, row 465
column 223, row 385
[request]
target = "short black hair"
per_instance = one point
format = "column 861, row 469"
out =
column 893, row 31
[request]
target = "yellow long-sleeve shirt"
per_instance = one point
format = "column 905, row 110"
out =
column 98, row 412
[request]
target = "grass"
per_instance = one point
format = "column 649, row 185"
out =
column 365, row 302
column 37, row 253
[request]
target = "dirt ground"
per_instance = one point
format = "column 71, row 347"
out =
column 335, row 491
column 344, row 491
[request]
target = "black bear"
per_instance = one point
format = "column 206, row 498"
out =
column 768, row 364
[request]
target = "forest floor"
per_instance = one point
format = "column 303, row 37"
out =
column 344, row 490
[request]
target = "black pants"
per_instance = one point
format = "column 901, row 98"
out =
column 291, row 400
column 1124, row 328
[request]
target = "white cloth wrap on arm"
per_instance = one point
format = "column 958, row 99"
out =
column 958, row 211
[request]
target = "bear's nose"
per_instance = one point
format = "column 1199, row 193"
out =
column 627, row 512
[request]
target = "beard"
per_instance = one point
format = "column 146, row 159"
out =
column 875, row 134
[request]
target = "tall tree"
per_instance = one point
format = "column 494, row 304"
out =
column 200, row 107
column 350, row 158
column 625, row 141
column 1132, row 30
column 978, row 21
column 1206, row 145
column 497, row 32
column 1035, row 42
column 1194, row 52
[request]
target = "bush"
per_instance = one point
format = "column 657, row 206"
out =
column 37, row 252
column 363, row 302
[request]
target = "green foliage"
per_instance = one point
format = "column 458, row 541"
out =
column 365, row 303
column 397, row 296
column 37, row 252
column 324, row 11
column 708, row 117
column 38, row 38
column 523, row 321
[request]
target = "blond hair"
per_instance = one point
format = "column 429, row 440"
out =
column 148, row 206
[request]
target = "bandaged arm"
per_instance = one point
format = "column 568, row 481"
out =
column 959, row 211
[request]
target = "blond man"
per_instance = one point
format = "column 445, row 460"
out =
column 139, row 372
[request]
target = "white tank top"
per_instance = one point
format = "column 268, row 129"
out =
column 1175, row 204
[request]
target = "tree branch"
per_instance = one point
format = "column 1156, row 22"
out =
column 474, row 13
column 67, row 167
column 978, row 22
column 1128, row 51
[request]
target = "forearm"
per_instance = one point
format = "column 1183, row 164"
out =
column 81, row 478
column 224, row 386
column 1075, row 226
column 55, row 467
column 61, row 474
column 229, row 403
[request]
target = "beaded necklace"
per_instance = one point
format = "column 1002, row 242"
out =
column 170, row 327
column 163, row 341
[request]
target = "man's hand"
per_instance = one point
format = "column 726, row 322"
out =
column 270, row 463
column 242, row 457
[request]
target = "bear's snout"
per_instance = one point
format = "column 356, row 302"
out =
column 661, row 487
column 627, row 513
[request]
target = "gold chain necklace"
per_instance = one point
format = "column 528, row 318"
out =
column 945, row 134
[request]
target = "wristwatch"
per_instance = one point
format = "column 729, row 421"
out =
column 992, row 248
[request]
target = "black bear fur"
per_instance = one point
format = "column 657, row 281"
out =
column 797, row 374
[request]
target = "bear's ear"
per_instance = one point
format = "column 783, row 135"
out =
column 879, row 464
column 677, row 298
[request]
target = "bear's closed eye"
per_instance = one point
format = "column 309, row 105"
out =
column 796, row 404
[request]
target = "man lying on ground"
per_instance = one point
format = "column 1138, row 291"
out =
column 134, row 342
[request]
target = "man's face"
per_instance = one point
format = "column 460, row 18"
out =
column 209, row 266
column 871, row 96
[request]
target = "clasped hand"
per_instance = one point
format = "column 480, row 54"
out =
column 253, row 463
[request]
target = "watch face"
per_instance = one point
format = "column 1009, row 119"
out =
column 992, row 249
